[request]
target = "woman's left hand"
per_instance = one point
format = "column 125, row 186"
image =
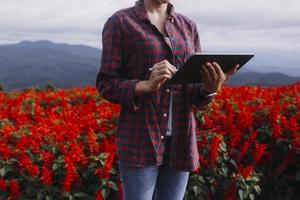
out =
column 213, row 76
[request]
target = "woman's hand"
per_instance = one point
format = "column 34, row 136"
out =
column 213, row 76
column 160, row 72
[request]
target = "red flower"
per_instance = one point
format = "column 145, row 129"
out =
column 27, row 164
column 246, row 145
column 92, row 142
column 215, row 142
column 99, row 195
column 245, row 171
column 70, row 176
column 14, row 188
column 276, row 131
column 3, row 185
column 105, row 170
column 46, row 177
column 46, row 157
column 5, row 151
column 260, row 150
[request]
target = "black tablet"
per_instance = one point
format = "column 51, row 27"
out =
column 190, row 71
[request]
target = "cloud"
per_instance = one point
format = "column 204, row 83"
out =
column 264, row 24
column 222, row 24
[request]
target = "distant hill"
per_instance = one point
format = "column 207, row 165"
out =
column 34, row 64
column 263, row 79
column 27, row 64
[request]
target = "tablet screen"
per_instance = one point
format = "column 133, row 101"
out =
column 190, row 71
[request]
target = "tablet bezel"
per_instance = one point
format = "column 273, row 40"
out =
column 187, row 72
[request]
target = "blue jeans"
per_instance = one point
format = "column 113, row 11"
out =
column 153, row 182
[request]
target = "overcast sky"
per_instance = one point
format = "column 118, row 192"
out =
column 222, row 24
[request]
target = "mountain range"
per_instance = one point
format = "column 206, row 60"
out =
column 36, row 64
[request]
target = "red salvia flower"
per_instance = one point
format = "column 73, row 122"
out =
column 103, row 173
column 246, row 145
column 215, row 142
column 4, row 151
column 99, row 195
column 14, row 190
column 276, row 131
column 260, row 150
column 46, row 177
column 46, row 157
column 27, row 164
column 70, row 176
column 245, row 171
column 3, row 185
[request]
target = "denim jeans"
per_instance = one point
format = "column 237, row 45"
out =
column 153, row 182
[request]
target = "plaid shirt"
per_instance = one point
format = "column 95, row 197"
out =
column 131, row 45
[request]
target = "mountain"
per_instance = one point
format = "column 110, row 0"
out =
column 269, row 60
column 28, row 64
column 35, row 64
column 263, row 79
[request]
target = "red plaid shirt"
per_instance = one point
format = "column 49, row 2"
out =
column 131, row 45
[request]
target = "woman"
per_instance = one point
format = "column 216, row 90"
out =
column 156, row 143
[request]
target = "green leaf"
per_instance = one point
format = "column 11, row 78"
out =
column 3, row 171
column 80, row 194
column 256, row 179
column 251, row 196
column 223, row 146
column 233, row 163
column 257, row 189
column 196, row 190
column 55, row 166
column 201, row 179
column 241, row 196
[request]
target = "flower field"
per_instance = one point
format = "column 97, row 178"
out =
column 60, row 144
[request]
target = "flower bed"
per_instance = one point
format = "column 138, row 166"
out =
column 60, row 144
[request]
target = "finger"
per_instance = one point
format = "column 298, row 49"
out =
column 233, row 70
column 157, row 66
column 204, row 79
column 218, row 70
column 206, row 74
column 163, row 71
column 172, row 69
column 162, row 63
column 212, row 71
column 165, row 65
column 161, row 78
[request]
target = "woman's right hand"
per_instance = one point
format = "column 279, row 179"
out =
column 160, row 72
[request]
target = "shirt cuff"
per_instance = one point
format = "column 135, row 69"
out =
column 202, row 99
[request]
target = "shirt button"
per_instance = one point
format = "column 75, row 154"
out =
column 162, row 137
column 165, row 114
column 167, row 90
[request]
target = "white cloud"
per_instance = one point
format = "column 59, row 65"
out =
column 222, row 24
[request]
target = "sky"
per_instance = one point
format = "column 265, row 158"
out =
column 267, row 24
column 231, row 25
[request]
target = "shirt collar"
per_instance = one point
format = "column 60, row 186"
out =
column 140, row 10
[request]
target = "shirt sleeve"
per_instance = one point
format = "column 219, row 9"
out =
column 110, row 82
column 200, row 98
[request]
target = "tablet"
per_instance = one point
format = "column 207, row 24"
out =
column 190, row 71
